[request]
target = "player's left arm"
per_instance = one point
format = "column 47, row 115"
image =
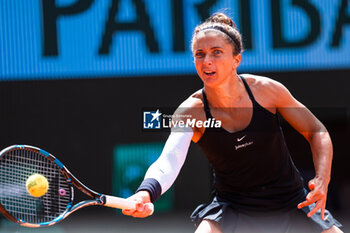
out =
column 301, row 119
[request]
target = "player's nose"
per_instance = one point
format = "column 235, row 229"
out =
column 207, row 60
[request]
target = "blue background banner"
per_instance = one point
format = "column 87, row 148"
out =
column 98, row 65
column 65, row 39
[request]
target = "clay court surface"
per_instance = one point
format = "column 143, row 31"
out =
column 116, row 223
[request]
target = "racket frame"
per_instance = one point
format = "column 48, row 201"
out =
column 97, row 198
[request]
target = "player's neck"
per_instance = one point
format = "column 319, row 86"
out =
column 226, row 94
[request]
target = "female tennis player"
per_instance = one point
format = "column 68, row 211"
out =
column 257, row 186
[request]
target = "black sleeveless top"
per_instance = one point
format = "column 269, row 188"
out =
column 252, row 168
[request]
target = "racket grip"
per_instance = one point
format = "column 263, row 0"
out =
column 122, row 203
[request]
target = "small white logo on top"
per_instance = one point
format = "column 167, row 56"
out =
column 240, row 139
column 243, row 145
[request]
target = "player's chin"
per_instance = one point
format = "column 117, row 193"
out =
column 209, row 80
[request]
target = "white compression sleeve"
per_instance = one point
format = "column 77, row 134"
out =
column 166, row 168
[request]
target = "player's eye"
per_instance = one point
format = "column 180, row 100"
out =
column 199, row 54
column 217, row 52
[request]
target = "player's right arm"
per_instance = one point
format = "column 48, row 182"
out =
column 163, row 172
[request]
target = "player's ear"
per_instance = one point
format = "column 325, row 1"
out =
column 236, row 60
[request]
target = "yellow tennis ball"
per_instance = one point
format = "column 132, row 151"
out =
column 37, row 185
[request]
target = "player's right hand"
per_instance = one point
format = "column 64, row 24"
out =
column 143, row 206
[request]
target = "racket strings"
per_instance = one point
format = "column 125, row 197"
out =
column 15, row 168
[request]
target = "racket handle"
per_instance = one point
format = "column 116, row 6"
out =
column 122, row 203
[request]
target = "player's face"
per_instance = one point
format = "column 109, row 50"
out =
column 213, row 58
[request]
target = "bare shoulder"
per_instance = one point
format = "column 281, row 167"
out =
column 192, row 107
column 266, row 90
column 262, row 82
column 193, row 101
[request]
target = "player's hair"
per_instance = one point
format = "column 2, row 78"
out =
column 223, row 23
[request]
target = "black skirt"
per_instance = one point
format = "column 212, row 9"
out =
column 231, row 220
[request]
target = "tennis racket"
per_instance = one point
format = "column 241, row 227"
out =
column 19, row 162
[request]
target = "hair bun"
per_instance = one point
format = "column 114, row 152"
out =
column 222, row 19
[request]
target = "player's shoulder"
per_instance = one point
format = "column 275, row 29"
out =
column 195, row 100
column 192, row 106
column 264, row 84
column 260, row 81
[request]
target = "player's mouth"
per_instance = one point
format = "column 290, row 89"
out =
column 209, row 73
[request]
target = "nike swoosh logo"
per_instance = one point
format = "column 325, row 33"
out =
column 240, row 139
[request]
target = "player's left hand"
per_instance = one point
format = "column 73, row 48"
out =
column 318, row 195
